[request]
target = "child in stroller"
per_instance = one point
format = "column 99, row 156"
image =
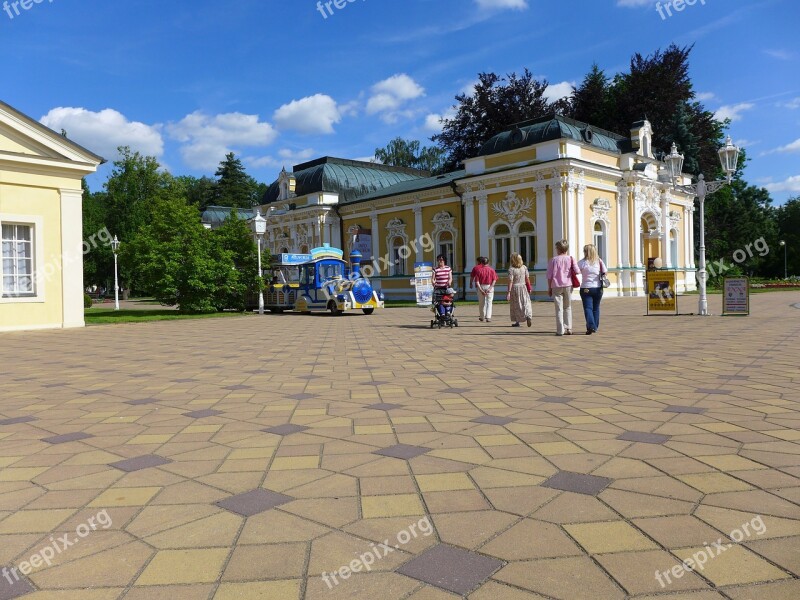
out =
column 443, row 308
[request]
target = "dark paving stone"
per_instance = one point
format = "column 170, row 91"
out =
column 506, row 377
column 254, row 502
column 16, row 587
column 556, row 399
column 490, row 420
column 25, row 379
column 384, row 406
column 238, row 387
column 67, row 437
column 94, row 392
column 185, row 380
column 302, row 396
column 733, row 377
column 597, row 383
column 452, row 569
column 695, row 410
column 201, row 414
column 711, row 391
column 402, row 451
column 631, row 372
column 137, row 375
column 16, row 420
column 286, row 429
column 455, row 390
column 55, row 385
column 308, row 377
column 375, row 383
column 580, row 483
column 644, row 437
column 140, row 462
column 139, row 401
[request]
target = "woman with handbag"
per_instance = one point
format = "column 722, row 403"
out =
column 593, row 276
column 519, row 292
column 562, row 277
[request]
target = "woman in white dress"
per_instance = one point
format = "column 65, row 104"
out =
column 519, row 296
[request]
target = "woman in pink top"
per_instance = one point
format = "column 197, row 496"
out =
column 559, row 283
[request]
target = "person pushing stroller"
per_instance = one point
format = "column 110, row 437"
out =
column 443, row 294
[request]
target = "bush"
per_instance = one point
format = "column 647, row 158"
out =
column 87, row 301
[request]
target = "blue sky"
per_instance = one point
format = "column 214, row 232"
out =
column 278, row 83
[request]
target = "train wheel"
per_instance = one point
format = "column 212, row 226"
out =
column 335, row 312
column 368, row 311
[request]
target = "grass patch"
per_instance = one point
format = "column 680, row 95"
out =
column 106, row 316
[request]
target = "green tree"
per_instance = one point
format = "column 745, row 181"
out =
column 175, row 259
column 496, row 103
column 788, row 221
column 590, row 100
column 234, row 187
column 408, row 153
column 235, row 237
column 98, row 260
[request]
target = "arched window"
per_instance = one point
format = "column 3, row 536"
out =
column 673, row 248
column 501, row 246
column 599, row 240
column 304, row 250
column 284, row 250
column 527, row 242
column 446, row 247
column 399, row 253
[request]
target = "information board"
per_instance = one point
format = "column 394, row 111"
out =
column 736, row 296
column 662, row 296
column 423, row 283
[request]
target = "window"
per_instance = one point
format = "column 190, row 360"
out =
column 527, row 243
column 501, row 247
column 304, row 250
column 399, row 253
column 599, row 240
column 17, row 257
column 673, row 248
column 446, row 248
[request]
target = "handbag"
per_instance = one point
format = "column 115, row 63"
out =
column 604, row 280
column 576, row 283
column 528, row 285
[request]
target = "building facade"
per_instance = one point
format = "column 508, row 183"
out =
column 41, row 224
column 530, row 186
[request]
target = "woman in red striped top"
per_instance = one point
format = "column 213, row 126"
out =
column 442, row 275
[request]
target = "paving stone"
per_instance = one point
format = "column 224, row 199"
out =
column 694, row 410
column 140, row 462
column 14, row 588
column 713, row 391
column 141, row 401
column 449, row 568
column 286, row 429
column 254, row 502
column 302, row 396
column 15, row 420
column 384, row 406
column 201, row 414
column 491, row 420
column 67, row 437
column 580, row 483
column 556, row 399
column 403, row 451
column 644, row 437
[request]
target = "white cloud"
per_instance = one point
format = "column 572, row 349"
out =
column 286, row 158
column 433, row 120
column 795, row 103
column 790, row 184
column 705, row 96
column 556, row 91
column 315, row 114
column 502, row 4
column 780, row 54
column 391, row 94
column 793, row 147
column 469, row 89
column 732, row 111
column 206, row 139
column 102, row 132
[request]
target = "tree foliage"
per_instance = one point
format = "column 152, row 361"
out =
column 234, row 187
column 408, row 153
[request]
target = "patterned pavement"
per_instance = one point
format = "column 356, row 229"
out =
column 246, row 458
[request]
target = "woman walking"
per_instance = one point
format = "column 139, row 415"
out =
column 519, row 296
column 592, row 272
column 560, row 271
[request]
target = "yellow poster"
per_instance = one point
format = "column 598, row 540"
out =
column 662, row 296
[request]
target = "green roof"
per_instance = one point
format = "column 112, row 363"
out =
column 553, row 127
column 351, row 179
column 216, row 215
column 417, row 185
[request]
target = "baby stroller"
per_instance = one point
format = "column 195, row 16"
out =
column 442, row 310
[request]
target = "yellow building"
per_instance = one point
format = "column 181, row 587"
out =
column 531, row 185
column 41, row 224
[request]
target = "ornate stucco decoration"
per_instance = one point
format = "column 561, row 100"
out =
column 601, row 208
column 674, row 219
column 511, row 208
column 648, row 198
column 444, row 221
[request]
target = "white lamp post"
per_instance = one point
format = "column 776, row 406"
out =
column 115, row 248
column 785, row 264
column 729, row 158
column 260, row 228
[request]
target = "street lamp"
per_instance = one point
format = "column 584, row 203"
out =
column 785, row 270
column 260, row 228
column 115, row 248
column 728, row 158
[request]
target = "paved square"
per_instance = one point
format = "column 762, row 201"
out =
column 510, row 466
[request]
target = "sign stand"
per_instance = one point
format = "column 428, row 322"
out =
column 736, row 297
column 662, row 295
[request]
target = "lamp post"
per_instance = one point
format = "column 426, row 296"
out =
column 260, row 228
column 115, row 248
column 785, row 264
column 729, row 158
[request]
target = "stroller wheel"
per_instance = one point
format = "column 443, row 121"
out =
column 455, row 322
column 433, row 323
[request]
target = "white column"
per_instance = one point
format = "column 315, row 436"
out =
column 72, row 257
column 557, row 196
column 580, row 220
column 483, row 224
column 376, row 248
column 685, row 226
column 570, row 224
column 418, row 232
column 665, row 253
column 690, row 228
column 469, row 229
column 542, row 243
column 623, row 227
